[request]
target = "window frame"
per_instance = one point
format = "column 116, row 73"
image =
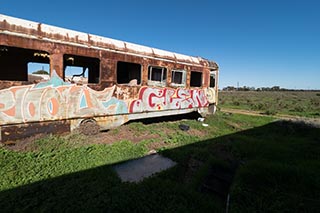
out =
column 35, row 56
column 201, row 82
column 128, row 83
column 162, row 82
column 184, row 78
column 213, row 73
column 93, row 60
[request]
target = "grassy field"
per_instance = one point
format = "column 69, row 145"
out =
column 297, row 103
column 263, row 165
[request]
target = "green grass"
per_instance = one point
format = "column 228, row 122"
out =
column 280, row 170
column 277, row 169
column 297, row 103
column 56, row 159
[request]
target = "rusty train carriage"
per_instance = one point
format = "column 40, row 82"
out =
column 119, row 81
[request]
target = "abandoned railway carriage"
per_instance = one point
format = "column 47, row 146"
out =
column 92, row 80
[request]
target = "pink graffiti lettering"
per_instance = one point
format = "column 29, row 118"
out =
column 153, row 99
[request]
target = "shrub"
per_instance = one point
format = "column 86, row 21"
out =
column 298, row 109
column 257, row 106
column 270, row 111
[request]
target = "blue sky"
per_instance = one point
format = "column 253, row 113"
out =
column 256, row 43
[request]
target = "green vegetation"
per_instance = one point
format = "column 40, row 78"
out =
column 280, row 169
column 298, row 103
column 43, row 72
column 275, row 166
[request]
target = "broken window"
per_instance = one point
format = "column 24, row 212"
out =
column 178, row 78
column 157, row 75
column 212, row 79
column 128, row 73
column 19, row 64
column 81, row 70
column 196, row 79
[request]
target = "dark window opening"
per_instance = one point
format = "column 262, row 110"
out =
column 81, row 70
column 19, row 64
column 196, row 79
column 128, row 73
column 178, row 77
column 157, row 75
column 212, row 79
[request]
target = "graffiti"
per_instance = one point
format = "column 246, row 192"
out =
column 211, row 95
column 122, row 92
column 56, row 99
column 153, row 99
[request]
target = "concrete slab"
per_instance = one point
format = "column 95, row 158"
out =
column 137, row 170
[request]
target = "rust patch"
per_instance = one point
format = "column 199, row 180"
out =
column 40, row 31
column 89, row 127
column 15, row 132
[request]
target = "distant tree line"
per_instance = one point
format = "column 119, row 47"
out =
column 274, row 88
column 43, row 72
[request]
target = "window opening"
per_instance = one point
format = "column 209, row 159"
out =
column 178, row 78
column 76, row 74
column 157, row 76
column 19, row 64
column 128, row 73
column 196, row 79
column 212, row 79
column 81, row 70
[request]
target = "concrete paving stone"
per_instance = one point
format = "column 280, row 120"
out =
column 138, row 169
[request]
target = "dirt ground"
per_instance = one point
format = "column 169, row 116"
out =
column 124, row 132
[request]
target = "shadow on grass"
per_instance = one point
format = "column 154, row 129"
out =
column 168, row 118
column 276, row 168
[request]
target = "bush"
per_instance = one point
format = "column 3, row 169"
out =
column 270, row 112
column 298, row 109
column 257, row 106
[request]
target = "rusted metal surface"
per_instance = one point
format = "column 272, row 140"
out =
column 7, row 84
column 110, row 104
column 56, row 99
column 40, row 31
column 14, row 132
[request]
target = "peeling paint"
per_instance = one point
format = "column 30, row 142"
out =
column 55, row 100
column 44, row 105
column 49, row 32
